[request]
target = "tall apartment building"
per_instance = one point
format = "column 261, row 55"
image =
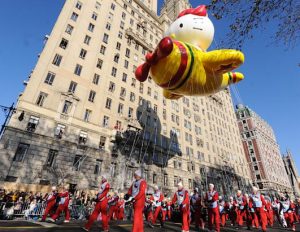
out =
column 262, row 152
column 292, row 172
column 83, row 113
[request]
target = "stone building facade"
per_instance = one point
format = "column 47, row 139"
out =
column 83, row 113
column 262, row 152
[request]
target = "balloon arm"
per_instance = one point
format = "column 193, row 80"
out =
column 222, row 61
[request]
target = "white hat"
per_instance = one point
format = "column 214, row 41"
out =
column 53, row 188
column 138, row 172
column 155, row 187
column 180, row 184
column 211, row 185
column 66, row 186
column 196, row 189
column 104, row 176
column 255, row 189
column 239, row 192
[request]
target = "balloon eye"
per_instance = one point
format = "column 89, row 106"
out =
column 181, row 25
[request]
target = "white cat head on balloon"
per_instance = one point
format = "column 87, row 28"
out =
column 194, row 27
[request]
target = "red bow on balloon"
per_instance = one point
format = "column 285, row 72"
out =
column 200, row 11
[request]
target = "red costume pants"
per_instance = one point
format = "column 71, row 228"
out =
column 185, row 218
column 223, row 219
column 240, row 217
column 138, row 224
column 261, row 216
column 62, row 208
column 113, row 209
column 270, row 216
column 290, row 219
column 120, row 215
column 214, row 218
column 101, row 207
column 48, row 210
column 156, row 213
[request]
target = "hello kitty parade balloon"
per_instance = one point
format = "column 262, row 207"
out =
column 193, row 26
column 180, row 64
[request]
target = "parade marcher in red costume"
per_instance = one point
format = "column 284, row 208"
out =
column 298, row 210
column 63, row 205
column 51, row 201
column 269, row 212
column 169, row 209
column 157, row 199
column 113, row 207
column 138, row 193
column 240, row 210
column 196, row 206
column 223, row 211
column 248, row 215
column 101, row 206
column 232, row 211
column 148, row 209
column 258, row 203
column 164, row 208
column 275, row 208
column 121, row 206
column 288, row 209
column 211, row 199
column 181, row 197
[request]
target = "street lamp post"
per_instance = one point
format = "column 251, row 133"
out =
column 8, row 111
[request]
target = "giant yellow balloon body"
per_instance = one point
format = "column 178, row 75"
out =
column 180, row 64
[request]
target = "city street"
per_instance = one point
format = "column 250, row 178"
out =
column 25, row 226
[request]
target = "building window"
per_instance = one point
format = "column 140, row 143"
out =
column 51, row 157
column 97, row 5
column 120, row 35
column 63, row 43
column 77, row 162
column 78, row 5
column 78, row 69
column 166, row 182
column 116, row 58
column 111, row 86
column 127, row 53
column 118, row 47
column 108, row 103
column 123, row 15
column 123, row 92
column 131, row 22
column 120, row 108
column 102, row 142
column 113, row 6
column 49, row 78
column 141, row 87
column 113, row 168
column 98, row 167
column 59, row 131
column 92, row 96
column 91, row 27
column 96, row 79
column 122, row 25
column 114, row 72
column 69, row 29
column 149, row 91
column 105, row 38
column 82, row 137
column 41, row 98
column 87, row 39
column 108, row 26
column 67, row 107
column 32, row 123
column 133, row 82
column 57, row 60
column 132, row 97
column 82, row 54
column 105, row 121
column 258, row 177
column 99, row 63
column 102, row 49
column 74, row 16
column 87, row 115
column 124, row 77
column 126, row 63
column 154, row 180
column 72, row 87
column 94, row 16
column 21, row 152
column 130, row 112
column 155, row 108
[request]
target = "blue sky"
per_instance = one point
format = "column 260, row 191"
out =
column 271, row 86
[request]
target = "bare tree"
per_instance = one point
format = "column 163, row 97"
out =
column 247, row 16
